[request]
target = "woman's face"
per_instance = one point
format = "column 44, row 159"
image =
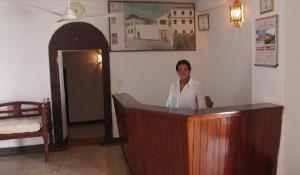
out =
column 183, row 71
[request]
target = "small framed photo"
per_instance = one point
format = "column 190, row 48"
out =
column 266, row 6
column 203, row 22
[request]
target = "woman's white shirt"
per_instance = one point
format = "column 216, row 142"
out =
column 191, row 96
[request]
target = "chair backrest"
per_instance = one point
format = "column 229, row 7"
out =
column 208, row 102
column 20, row 109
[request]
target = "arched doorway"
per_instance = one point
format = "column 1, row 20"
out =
column 78, row 36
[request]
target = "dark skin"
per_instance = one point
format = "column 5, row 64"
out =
column 184, row 75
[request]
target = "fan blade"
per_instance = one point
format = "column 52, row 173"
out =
column 61, row 20
column 46, row 10
column 109, row 15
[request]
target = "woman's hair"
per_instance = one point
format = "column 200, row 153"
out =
column 183, row 62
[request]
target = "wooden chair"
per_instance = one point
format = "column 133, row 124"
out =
column 25, row 119
column 208, row 101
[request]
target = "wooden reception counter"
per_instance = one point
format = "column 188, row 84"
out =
column 237, row 140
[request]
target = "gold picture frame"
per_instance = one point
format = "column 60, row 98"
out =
column 266, row 6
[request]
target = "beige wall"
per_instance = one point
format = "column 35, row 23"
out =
column 25, row 36
column 292, row 87
column 268, row 83
column 85, row 85
column 229, row 59
column 24, row 67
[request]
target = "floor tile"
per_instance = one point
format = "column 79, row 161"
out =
column 78, row 160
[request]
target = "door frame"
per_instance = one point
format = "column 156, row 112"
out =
column 78, row 36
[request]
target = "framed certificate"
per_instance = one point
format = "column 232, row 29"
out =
column 203, row 22
column 266, row 6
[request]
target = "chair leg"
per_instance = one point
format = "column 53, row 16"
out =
column 46, row 148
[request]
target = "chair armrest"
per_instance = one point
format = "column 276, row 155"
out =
column 44, row 113
column 209, row 102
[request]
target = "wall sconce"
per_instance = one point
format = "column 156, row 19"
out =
column 236, row 13
column 99, row 56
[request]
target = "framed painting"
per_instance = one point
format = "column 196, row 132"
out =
column 266, row 6
column 151, row 26
column 203, row 22
column 266, row 41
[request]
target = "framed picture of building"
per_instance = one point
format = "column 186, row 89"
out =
column 266, row 30
column 151, row 26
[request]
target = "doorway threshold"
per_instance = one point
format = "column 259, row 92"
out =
column 86, row 141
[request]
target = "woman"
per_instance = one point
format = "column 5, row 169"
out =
column 185, row 93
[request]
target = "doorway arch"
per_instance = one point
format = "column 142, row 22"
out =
column 78, row 36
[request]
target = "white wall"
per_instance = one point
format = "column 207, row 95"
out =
column 24, row 66
column 291, row 88
column 229, row 57
column 268, row 83
column 204, row 5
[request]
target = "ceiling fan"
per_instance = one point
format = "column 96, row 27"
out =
column 75, row 10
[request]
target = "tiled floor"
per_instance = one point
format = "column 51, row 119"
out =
column 78, row 160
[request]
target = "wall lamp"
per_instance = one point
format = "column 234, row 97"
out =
column 236, row 13
column 99, row 56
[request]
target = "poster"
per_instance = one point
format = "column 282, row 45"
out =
column 266, row 41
